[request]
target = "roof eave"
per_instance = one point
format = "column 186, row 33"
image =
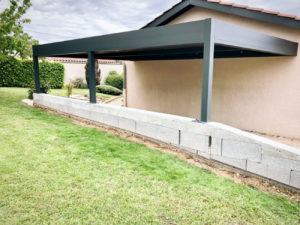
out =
column 170, row 14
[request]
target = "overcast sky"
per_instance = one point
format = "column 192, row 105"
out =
column 57, row 20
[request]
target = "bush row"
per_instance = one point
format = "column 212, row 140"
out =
column 20, row 73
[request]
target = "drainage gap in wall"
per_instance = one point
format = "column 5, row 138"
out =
column 209, row 141
column 179, row 138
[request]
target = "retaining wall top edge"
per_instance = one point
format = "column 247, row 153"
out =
column 179, row 121
column 256, row 138
column 115, row 107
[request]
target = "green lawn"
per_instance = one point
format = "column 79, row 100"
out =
column 76, row 91
column 55, row 172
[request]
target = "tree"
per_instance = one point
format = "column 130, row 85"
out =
column 14, row 42
column 97, row 72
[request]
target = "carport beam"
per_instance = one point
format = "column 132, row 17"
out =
column 92, row 77
column 36, row 74
column 207, row 73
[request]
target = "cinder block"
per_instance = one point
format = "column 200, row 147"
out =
column 275, row 172
column 295, row 178
column 257, row 168
column 216, row 146
column 110, row 120
column 64, row 108
column 81, row 112
column 282, row 162
column 126, row 124
column 96, row 116
column 60, row 107
column 241, row 150
column 203, row 154
column 160, row 133
column 238, row 163
column 194, row 141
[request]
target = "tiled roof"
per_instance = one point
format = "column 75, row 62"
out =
column 255, row 9
column 80, row 60
column 234, row 5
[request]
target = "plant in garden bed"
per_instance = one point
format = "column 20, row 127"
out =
column 107, row 89
column 45, row 88
column 114, row 79
column 69, row 88
column 78, row 83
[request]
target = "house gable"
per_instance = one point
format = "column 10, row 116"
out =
column 257, row 14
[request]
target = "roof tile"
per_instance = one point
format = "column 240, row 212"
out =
column 287, row 15
column 254, row 8
column 270, row 12
column 79, row 60
column 240, row 6
column 226, row 3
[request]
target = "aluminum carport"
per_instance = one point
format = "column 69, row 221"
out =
column 207, row 39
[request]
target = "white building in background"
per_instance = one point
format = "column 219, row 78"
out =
column 74, row 67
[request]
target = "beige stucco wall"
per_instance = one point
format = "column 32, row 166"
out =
column 76, row 70
column 255, row 94
column 73, row 71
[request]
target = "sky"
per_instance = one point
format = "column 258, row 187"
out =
column 58, row 20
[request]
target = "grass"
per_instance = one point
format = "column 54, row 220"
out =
column 76, row 91
column 55, row 172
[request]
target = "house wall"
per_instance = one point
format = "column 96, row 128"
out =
column 254, row 94
column 76, row 70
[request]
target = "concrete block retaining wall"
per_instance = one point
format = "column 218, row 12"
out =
column 212, row 140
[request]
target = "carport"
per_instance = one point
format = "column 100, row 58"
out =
column 205, row 39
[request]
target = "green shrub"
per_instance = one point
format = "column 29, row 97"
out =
column 44, row 88
column 112, row 72
column 115, row 80
column 20, row 73
column 107, row 89
column 78, row 83
column 30, row 92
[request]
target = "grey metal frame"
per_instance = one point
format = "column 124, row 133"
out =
column 92, row 77
column 188, row 34
column 207, row 73
column 194, row 40
column 36, row 73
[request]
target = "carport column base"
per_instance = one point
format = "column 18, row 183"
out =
column 92, row 77
column 207, row 73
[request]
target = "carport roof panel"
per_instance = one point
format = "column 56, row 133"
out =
column 152, row 38
column 239, row 37
column 178, row 41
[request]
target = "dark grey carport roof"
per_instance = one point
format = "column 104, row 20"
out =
column 179, row 41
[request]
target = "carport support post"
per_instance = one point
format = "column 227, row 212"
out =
column 92, row 77
column 207, row 73
column 36, row 74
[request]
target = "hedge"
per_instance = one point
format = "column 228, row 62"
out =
column 107, row 89
column 115, row 80
column 19, row 73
